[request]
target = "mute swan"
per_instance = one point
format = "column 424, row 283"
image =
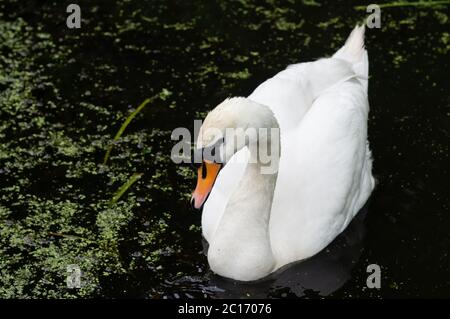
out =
column 257, row 223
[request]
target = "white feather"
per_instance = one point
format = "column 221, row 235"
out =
column 324, row 175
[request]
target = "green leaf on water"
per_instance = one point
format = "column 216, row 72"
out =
column 124, row 188
column 124, row 126
column 163, row 95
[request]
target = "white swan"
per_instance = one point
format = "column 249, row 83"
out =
column 256, row 223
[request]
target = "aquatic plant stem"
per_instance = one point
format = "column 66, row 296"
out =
column 123, row 127
column 406, row 4
column 135, row 177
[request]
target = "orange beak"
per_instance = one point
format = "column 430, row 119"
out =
column 207, row 174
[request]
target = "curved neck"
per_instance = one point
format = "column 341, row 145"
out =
column 240, row 247
column 251, row 201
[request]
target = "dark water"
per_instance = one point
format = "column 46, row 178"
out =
column 203, row 52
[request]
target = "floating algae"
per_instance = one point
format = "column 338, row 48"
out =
column 64, row 94
column 54, row 195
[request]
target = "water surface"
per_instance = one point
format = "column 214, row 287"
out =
column 65, row 93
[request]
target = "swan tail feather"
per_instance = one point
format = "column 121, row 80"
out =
column 353, row 49
column 354, row 52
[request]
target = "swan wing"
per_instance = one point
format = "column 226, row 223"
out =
column 326, row 177
column 287, row 94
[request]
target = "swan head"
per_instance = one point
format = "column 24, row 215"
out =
column 234, row 124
